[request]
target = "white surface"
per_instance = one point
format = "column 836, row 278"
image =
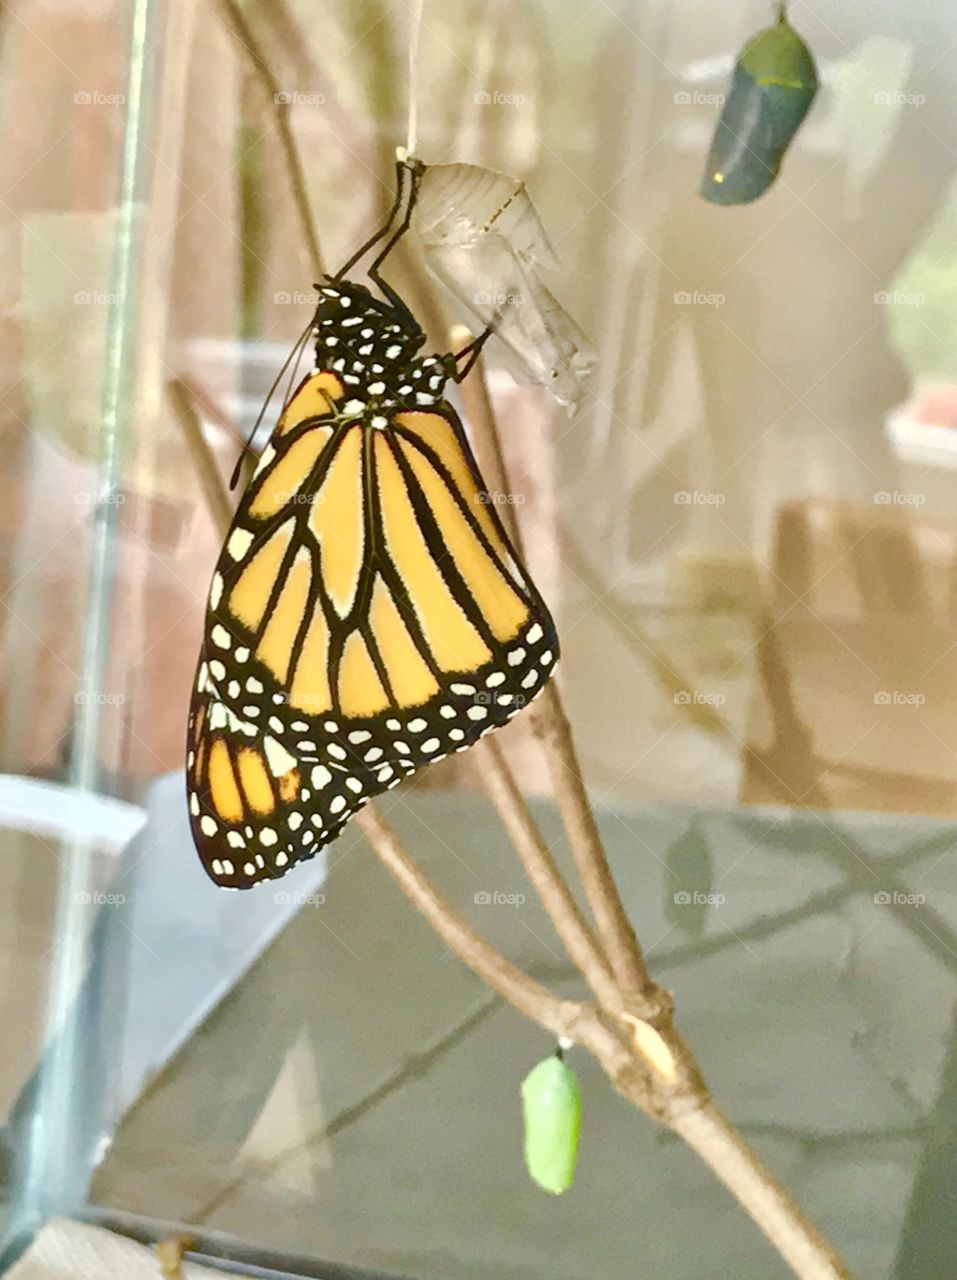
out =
column 51, row 809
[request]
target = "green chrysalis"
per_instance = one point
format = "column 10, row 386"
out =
column 772, row 89
column 552, row 1106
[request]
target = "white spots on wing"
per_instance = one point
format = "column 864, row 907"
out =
column 217, row 715
column 376, row 388
column 241, row 655
column 495, row 679
column 282, row 858
column 402, row 747
column 194, row 804
column 359, row 736
column 300, row 726
column 280, row 761
column 251, row 709
column 463, row 690
column 330, row 726
column 207, row 825
column 220, row 637
column 430, row 745
column 516, row 657
column 235, row 840
column 546, row 657
column 295, row 822
column 354, row 785
column 268, row 837
column 306, row 744
column 476, row 713
column 217, row 669
column 337, row 804
column 379, row 421
column 233, row 688
column 265, row 458
column 385, row 773
column 393, row 725
column 217, row 867
column 240, row 540
column 253, row 685
column 249, row 869
column 373, row 754
column 337, row 752
column 320, row 776
column 276, row 724
column 216, row 591
column 417, row 725
column 393, row 351
column 535, row 634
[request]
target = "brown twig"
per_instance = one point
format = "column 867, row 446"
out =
column 520, row 990
column 237, row 23
column 557, row 898
column 726, row 1153
column 211, row 481
column 551, row 726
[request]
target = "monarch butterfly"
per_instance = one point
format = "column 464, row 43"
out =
column 551, row 1108
column 774, row 84
column 368, row 613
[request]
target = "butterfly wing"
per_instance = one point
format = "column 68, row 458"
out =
column 368, row 615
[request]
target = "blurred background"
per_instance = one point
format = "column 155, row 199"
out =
column 747, row 535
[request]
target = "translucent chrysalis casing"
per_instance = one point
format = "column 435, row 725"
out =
column 772, row 89
column 551, row 1106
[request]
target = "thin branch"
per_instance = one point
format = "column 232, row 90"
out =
column 542, row 871
column 527, row 995
column 236, row 21
column 581, row 1023
column 204, row 460
column 725, row 1152
column 552, row 728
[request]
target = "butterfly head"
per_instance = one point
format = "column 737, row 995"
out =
column 372, row 347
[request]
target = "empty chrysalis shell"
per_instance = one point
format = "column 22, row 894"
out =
column 484, row 241
column 772, row 89
column 551, row 1105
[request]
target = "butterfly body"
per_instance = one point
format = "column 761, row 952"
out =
column 367, row 615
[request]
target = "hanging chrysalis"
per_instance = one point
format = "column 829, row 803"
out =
column 482, row 238
column 551, row 1106
column 772, row 89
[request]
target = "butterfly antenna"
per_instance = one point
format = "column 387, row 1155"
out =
column 294, row 354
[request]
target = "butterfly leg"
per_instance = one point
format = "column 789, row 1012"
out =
column 400, row 171
column 473, row 351
column 415, row 174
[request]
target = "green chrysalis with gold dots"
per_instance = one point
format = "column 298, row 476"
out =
column 551, row 1105
column 772, row 89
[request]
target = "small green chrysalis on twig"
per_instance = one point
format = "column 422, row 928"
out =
column 772, row 89
column 551, row 1106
